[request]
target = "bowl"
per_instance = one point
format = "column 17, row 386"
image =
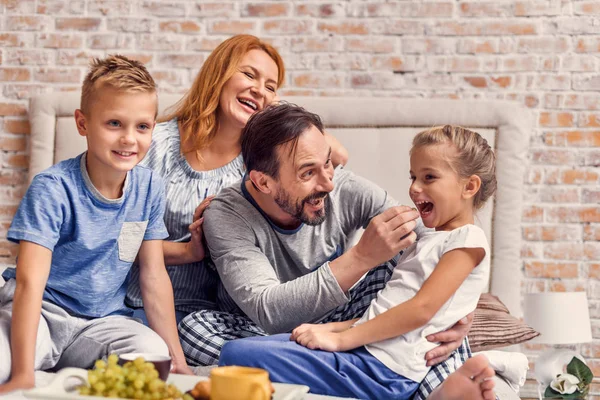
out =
column 161, row 363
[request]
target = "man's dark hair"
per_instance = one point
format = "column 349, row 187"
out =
column 274, row 126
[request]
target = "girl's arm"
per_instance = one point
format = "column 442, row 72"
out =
column 451, row 271
column 33, row 268
column 157, row 294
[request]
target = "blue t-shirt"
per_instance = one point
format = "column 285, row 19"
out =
column 94, row 240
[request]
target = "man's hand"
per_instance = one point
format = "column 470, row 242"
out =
column 449, row 340
column 17, row 383
column 387, row 234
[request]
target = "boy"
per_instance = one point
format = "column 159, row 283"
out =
column 80, row 226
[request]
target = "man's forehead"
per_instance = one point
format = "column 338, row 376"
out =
column 310, row 146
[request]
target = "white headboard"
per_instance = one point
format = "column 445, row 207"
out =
column 377, row 132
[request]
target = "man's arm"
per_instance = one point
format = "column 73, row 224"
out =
column 385, row 236
column 157, row 294
column 33, row 268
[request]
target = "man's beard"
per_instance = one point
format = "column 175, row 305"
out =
column 296, row 210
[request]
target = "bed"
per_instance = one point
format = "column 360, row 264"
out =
column 377, row 133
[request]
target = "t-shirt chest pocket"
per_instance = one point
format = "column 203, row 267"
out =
column 130, row 240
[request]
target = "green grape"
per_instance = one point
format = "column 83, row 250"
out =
column 113, row 359
column 92, row 378
column 84, row 390
column 187, row 397
column 153, row 374
column 138, row 362
column 100, row 364
column 136, row 379
column 99, row 387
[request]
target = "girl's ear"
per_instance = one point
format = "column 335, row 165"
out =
column 472, row 186
column 261, row 181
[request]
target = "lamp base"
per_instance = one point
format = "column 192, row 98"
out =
column 551, row 363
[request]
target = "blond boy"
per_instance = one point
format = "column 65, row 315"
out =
column 80, row 226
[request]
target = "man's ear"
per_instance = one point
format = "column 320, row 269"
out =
column 262, row 182
column 472, row 186
column 81, row 122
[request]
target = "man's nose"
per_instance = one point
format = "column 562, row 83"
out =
column 326, row 181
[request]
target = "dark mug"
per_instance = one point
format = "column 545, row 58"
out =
column 161, row 363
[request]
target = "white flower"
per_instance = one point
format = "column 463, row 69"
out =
column 565, row 384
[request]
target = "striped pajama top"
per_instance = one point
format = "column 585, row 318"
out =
column 194, row 285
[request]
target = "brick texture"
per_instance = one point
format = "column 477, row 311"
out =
column 541, row 53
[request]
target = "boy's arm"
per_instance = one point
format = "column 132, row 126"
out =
column 451, row 271
column 157, row 294
column 33, row 268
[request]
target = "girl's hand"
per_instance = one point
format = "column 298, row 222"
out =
column 314, row 328
column 327, row 341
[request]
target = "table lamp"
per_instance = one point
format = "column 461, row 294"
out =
column 561, row 318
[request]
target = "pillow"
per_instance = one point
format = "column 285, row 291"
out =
column 494, row 327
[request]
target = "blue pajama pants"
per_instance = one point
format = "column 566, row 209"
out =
column 354, row 373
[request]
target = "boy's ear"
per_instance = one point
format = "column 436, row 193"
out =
column 472, row 186
column 81, row 122
column 262, row 182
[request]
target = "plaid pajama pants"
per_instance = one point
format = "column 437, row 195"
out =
column 204, row 333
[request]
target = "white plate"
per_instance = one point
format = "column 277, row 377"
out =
column 76, row 376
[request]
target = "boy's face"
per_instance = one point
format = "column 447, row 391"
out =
column 118, row 128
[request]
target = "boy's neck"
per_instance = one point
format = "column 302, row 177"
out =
column 109, row 185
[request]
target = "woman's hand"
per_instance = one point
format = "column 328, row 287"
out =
column 200, row 209
column 194, row 248
column 449, row 340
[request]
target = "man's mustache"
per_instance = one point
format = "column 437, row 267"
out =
column 315, row 196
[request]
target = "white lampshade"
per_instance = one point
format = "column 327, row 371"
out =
column 560, row 317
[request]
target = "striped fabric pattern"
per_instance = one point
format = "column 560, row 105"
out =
column 194, row 285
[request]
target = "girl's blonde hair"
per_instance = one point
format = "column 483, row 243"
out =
column 474, row 156
column 196, row 112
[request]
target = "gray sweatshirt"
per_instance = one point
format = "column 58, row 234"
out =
column 281, row 278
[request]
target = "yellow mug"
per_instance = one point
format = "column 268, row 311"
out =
column 239, row 383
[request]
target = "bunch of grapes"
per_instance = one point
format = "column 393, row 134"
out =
column 136, row 379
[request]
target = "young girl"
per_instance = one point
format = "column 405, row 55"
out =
column 437, row 281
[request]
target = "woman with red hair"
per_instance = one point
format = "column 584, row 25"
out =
column 196, row 149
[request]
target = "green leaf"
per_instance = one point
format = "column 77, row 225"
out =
column 551, row 394
column 580, row 370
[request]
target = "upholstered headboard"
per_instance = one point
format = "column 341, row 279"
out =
column 377, row 133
